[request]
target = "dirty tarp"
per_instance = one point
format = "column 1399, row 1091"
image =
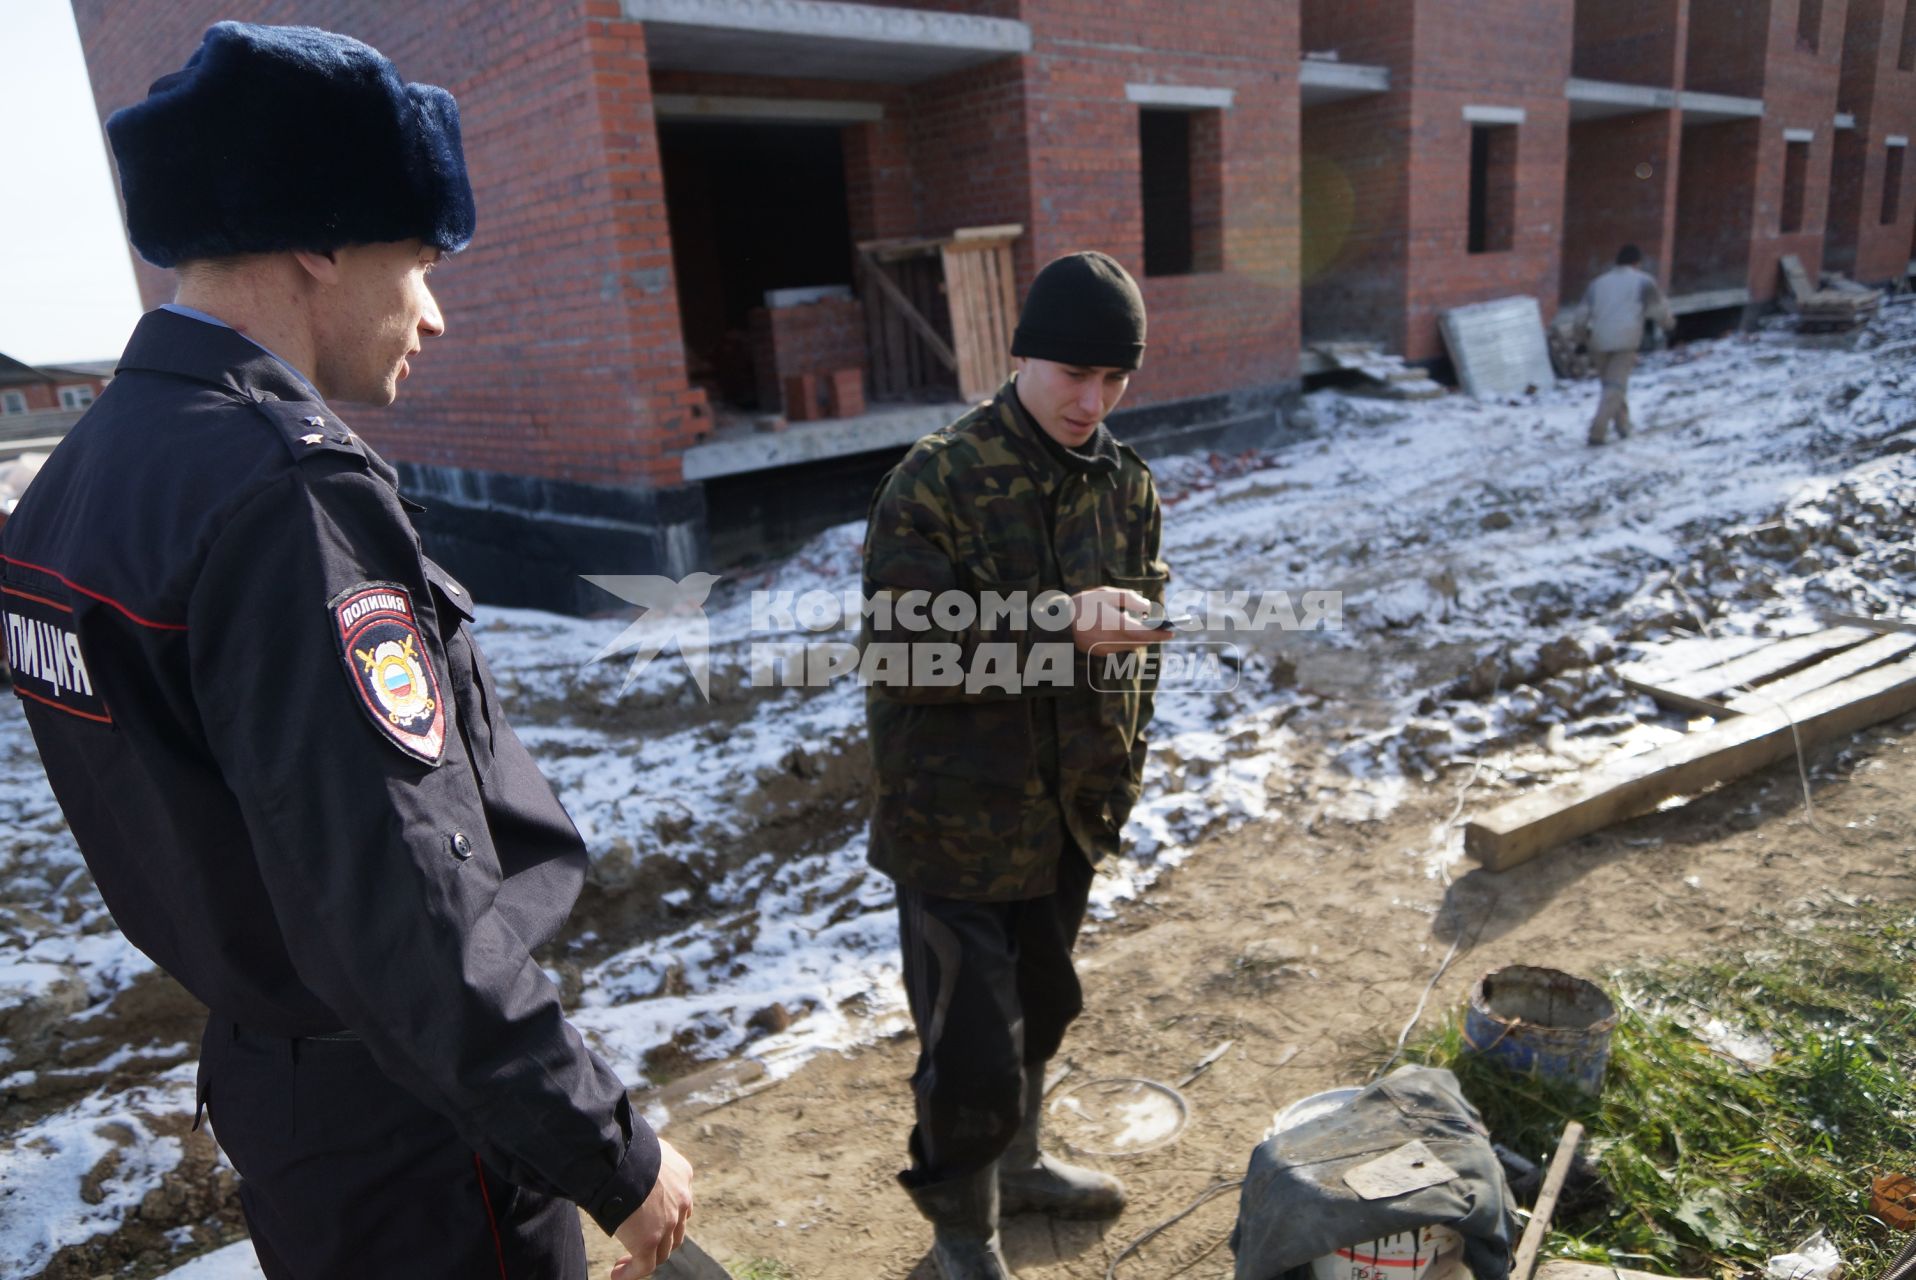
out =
column 1295, row 1205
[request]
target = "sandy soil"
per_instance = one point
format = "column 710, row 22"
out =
column 1308, row 949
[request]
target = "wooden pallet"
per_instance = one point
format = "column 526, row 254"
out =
column 1769, row 702
column 939, row 309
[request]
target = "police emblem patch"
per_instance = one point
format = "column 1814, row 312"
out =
column 386, row 661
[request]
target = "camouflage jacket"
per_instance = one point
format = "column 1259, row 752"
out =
column 978, row 788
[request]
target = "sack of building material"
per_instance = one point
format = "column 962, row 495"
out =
column 1348, row 1177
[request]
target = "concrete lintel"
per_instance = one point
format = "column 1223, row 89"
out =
column 817, row 39
column 1716, row 108
column 1601, row 99
column 1799, row 135
column 1320, row 81
column 1685, row 304
column 1845, row 120
column 689, row 106
column 1494, row 115
column 740, row 449
column 1896, row 140
column 1184, row 97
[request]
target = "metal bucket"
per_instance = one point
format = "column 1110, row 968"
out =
column 1529, row 1019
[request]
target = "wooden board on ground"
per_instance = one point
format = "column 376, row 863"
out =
column 1766, row 663
column 1525, row 827
column 1872, row 653
column 1564, row 1269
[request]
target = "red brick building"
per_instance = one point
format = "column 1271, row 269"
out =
column 700, row 220
column 26, row 388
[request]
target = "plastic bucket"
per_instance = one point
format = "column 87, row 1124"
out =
column 1529, row 1019
column 1429, row 1253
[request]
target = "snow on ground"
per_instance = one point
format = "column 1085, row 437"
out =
column 81, row 1171
column 1766, row 482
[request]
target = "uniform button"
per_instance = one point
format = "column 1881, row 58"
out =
column 461, row 846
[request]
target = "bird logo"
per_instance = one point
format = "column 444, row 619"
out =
column 670, row 612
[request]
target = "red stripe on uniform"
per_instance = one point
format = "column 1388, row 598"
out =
column 498, row 1249
column 28, row 595
column 94, row 595
column 61, row 706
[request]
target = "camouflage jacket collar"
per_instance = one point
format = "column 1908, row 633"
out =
column 1048, row 461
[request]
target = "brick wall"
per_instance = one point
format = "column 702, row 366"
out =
column 561, row 358
column 1356, row 178
column 1619, row 189
column 1232, row 329
column 1450, row 72
column 1631, row 41
column 814, row 337
column 1799, row 92
column 42, row 396
column 1716, row 200
column 1882, row 96
column 1729, row 43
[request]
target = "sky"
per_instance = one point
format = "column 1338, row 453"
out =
column 66, row 273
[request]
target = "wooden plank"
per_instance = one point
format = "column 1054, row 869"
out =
column 984, row 337
column 1003, row 231
column 1546, row 1207
column 961, row 336
column 1797, row 278
column 988, row 293
column 1874, row 624
column 1767, row 663
column 1564, row 1269
column 1827, row 672
column 910, row 315
column 1676, row 701
column 1007, row 299
column 1523, row 828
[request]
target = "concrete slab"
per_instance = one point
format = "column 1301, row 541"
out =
column 715, row 107
column 817, row 40
column 1716, row 108
column 1686, row 304
column 1320, row 81
column 737, row 450
column 1845, row 120
column 1498, row 347
column 1601, row 99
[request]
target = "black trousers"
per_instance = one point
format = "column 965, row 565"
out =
column 344, row 1173
column 992, row 989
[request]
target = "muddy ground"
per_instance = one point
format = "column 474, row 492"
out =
column 1307, row 947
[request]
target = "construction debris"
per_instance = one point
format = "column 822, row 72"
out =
column 1838, row 309
column 1742, row 744
column 1498, row 347
column 1386, row 376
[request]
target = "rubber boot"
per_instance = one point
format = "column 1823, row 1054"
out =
column 1029, row 1181
column 963, row 1213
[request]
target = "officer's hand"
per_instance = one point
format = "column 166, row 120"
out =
column 657, row 1227
column 1108, row 618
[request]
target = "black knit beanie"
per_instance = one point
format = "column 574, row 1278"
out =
column 1083, row 309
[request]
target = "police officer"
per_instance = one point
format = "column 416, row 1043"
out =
column 997, row 795
column 264, row 715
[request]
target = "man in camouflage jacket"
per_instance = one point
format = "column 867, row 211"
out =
column 1000, row 788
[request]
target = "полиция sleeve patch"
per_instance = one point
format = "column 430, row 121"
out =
column 386, row 661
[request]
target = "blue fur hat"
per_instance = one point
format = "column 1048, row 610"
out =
column 275, row 138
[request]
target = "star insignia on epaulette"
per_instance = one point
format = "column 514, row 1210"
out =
column 314, row 421
column 314, row 438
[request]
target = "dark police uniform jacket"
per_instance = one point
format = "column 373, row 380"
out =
column 283, row 757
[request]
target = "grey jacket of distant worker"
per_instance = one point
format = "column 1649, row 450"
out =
column 1615, row 306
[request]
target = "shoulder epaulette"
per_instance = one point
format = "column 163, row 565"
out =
column 308, row 428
